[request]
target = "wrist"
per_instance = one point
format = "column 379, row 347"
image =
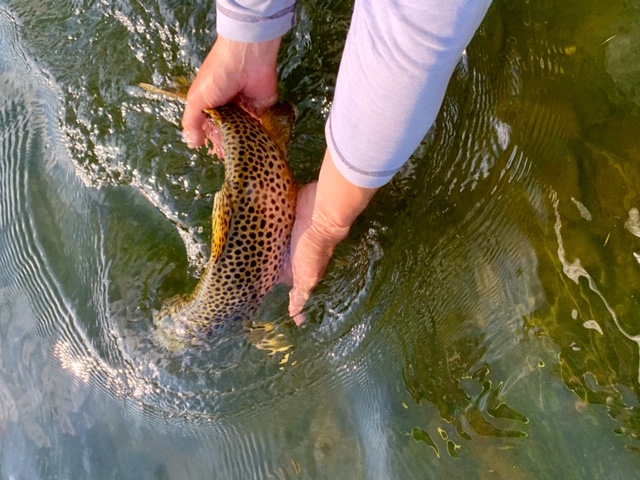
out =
column 338, row 201
column 249, row 56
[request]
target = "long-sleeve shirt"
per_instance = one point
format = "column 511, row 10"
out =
column 397, row 62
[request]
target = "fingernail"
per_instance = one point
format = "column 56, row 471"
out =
column 300, row 319
column 189, row 137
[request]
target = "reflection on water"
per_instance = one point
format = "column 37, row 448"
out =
column 480, row 321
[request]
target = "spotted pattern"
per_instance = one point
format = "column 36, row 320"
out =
column 261, row 196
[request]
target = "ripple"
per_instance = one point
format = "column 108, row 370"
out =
column 432, row 312
column 55, row 262
column 45, row 221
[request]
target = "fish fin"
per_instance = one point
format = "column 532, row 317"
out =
column 178, row 94
column 278, row 122
column 221, row 220
column 182, row 84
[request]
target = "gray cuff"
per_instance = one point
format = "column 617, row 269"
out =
column 246, row 25
column 356, row 175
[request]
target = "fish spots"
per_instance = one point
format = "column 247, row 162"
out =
column 262, row 195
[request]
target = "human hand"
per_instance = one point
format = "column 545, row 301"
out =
column 324, row 214
column 313, row 240
column 232, row 69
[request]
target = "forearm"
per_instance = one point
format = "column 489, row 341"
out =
column 338, row 201
column 397, row 62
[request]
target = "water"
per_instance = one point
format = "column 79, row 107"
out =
column 480, row 322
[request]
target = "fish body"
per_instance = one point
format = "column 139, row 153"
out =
column 253, row 215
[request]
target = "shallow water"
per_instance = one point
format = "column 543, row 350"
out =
column 481, row 321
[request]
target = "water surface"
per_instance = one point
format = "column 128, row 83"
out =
column 481, row 321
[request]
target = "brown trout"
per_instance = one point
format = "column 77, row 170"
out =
column 253, row 215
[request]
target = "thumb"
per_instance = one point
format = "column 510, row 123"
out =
column 192, row 122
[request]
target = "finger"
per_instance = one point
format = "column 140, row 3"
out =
column 286, row 273
column 204, row 93
column 192, row 123
column 256, row 106
column 193, row 118
column 297, row 299
column 300, row 319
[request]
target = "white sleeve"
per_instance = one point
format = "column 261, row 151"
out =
column 254, row 21
column 397, row 63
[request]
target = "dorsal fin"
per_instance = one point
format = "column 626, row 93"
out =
column 220, row 225
column 278, row 121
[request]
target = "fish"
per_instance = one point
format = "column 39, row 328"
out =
column 252, row 219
